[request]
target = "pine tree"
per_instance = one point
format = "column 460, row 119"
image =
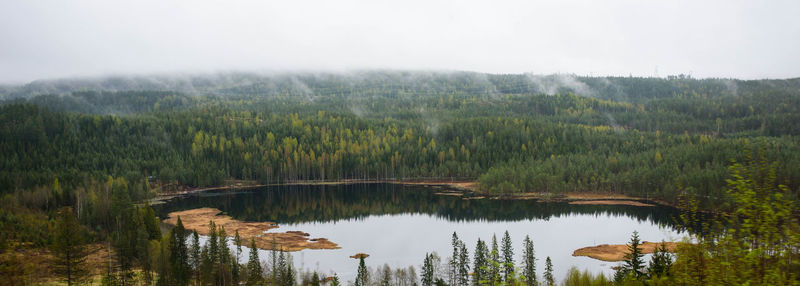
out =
column 480, row 266
column 494, row 260
column 254, row 270
column 427, row 271
column 362, row 274
column 508, row 258
column 69, row 247
column 315, row 279
column 224, row 257
column 529, row 262
column 660, row 262
column 453, row 271
column 179, row 256
column 633, row 260
column 194, row 256
column 335, row 280
column 549, row 280
column 463, row 265
column 235, row 272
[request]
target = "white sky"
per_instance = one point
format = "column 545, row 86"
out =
column 742, row 39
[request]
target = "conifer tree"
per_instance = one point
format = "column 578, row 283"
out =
column 427, row 278
column 549, row 280
column 335, row 280
column 463, row 265
column 508, row 258
column 180, row 271
column 529, row 262
column 453, row 262
column 660, row 262
column 633, row 260
column 362, row 273
column 254, row 270
column 494, row 260
column 69, row 247
column 235, row 271
column 480, row 266
column 194, row 256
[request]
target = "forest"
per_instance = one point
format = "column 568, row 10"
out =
column 80, row 158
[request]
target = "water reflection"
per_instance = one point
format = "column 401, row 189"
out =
column 297, row 204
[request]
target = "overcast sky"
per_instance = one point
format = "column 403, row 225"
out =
column 742, row 39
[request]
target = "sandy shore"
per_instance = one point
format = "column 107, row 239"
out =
column 616, row 252
column 198, row 219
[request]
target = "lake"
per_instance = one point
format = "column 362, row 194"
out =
column 397, row 224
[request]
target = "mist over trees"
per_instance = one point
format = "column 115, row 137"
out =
column 102, row 147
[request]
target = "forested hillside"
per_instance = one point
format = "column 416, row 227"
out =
column 649, row 137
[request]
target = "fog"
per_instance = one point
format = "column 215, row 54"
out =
column 736, row 39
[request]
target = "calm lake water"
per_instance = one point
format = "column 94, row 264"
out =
column 397, row 225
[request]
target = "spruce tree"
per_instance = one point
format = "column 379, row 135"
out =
column 254, row 270
column 335, row 280
column 463, row 265
column 362, row 273
column 529, row 262
column 660, row 262
column 453, row 270
column 549, row 280
column 633, row 260
column 180, row 270
column 508, row 258
column 235, row 271
column 494, row 260
column 480, row 266
column 427, row 271
column 69, row 248
column 194, row 256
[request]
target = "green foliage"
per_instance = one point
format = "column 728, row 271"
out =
column 576, row 277
column 549, row 280
column 69, row 248
column 633, row 264
column 529, row 262
column 507, row 259
column 254, row 270
column 481, row 263
column 660, row 263
column 757, row 246
column 362, row 275
column 428, row 277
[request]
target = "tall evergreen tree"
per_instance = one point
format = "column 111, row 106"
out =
column 481, row 264
column 452, row 273
column 529, row 262
column 427, row 278
column 634, row 263
column 254, row 270
column 549, row 280
column 494, row 260
column 362, row 278
column 235, row 271
column 508, row 258
column 69, row 248
column 463, row 265
column 660, row 262
column 335, row 280
column 194, row 256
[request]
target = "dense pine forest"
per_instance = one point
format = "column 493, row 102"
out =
column 80, row 157
column 513, row 133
